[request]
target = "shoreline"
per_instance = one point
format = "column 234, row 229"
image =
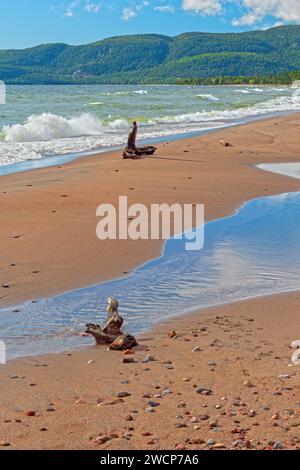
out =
column 70, row 400
column 63, row 159
column 224, row 178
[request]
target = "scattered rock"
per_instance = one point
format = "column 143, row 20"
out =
column 218, row 446
column 172, row 334
column 210, row 442
column 148, row 359
column 195, row 441
column 30, row 413
column 128, row 360
column 154, row 404
column 278, row 446
column 296, row 358
column 100, row 440
column 248, row 384
column 224, row 143
column 150, row 410
column 213, row 424
column 196, row 349
column 81, row 401
column 4, row 444
column 123, row 394
column 129, row 352
column 204, row 391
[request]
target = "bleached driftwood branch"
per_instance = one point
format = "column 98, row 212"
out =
column 112, row 333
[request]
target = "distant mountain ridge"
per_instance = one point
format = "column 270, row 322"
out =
column 153, row 58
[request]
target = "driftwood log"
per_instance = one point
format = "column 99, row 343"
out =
column 112, row 334
column 132, row 151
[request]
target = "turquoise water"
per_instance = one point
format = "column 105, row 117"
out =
column 254, row 252
column 42, row 121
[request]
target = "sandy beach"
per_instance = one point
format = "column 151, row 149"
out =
column 48, row 220
column 235, row 391
column 249, row 396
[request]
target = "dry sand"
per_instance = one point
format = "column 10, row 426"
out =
column 48, row 221
column 244, row 357
column 251, row 395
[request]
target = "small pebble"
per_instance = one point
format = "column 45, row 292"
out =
column 4, row 444
column 154, row 404
column 148, row 359
column 211, row 442
column 123, row 394
column 128, row 360
column 149, row 410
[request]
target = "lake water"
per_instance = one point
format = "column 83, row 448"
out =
column 254, row 252
column 42, row 121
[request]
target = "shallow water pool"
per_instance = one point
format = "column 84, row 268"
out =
column 254, row 252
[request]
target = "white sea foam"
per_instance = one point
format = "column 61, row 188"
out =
column 245, row 92
column 208, row 97
column 46, row 126
column 126, row 93
column 54, row 134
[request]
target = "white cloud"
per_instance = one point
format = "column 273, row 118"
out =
column 165, row 9
column 203, row 7
column 92, row 7
column 69, row 13
column 128, row 13
column 132, row 11
column 257, row 10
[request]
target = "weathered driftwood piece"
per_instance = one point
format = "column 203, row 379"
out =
column 112, row 332
column 123, row 342
column 132, row 151
column 97, row 332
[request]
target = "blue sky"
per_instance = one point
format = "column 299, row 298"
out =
column 32, row 22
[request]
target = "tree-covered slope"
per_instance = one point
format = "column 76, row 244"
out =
column 156, row 58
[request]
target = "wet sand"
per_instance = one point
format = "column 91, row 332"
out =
column 48, row 242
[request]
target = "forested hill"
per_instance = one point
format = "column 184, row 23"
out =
column 156, row 58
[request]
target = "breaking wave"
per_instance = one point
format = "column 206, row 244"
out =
column 105, row 126
column 208, row 97
column 47, row 127
column 126, row 93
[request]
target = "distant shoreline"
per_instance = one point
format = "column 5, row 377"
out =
column 212, row 81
